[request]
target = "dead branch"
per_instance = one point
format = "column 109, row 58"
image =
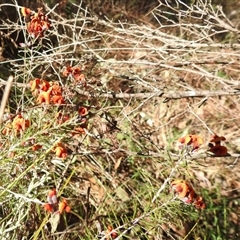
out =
column 167, row 95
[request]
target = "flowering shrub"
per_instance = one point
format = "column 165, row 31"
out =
column 112, row 149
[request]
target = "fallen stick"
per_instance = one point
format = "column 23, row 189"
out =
column 5, row 97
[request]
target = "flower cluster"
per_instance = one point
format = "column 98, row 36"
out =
column 53, row 205
column 17, row 125
column 38, row 23
column 216, row 148
column 47, row 92
column 194, row 141
column 75, row 73
column 186, row 193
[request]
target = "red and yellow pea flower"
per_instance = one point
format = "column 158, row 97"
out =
column 26, row 11
column 63, row 206
column 17, row 125
column 60, row 150
column 38, row 23
column 194, row 141
column 186, row 193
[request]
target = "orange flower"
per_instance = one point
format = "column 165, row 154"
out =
column 56, row 89
column 199, row 203
column 60, row 151
column 44, row 97
column 79, row 77
column 45, row 85
column 113, row 233
column 217, row 139
column 75, row 72
column 63, row 206
column 187, row 194
column 48, row 207
column 48, row 92
column 34, row 84
column 191, row 196
column 52, row 201
column 194, row 140
column 38, row 23
column 218, row 150
column 82, row 111
column 57, row 99
column 19, row 123
column 67, row 71
column 53, row 205
column 78, row 131
column 36, row 147
column 180, row 187
column 25, row 11
column 39, row 84
column 7, row 129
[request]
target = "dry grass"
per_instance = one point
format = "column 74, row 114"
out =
column 118, row 173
